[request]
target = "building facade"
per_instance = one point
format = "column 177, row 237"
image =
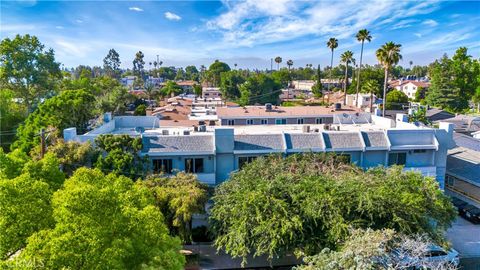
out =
column 213, row 153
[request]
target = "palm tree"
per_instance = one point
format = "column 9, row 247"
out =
column 235, row 65
column 411, row 63
column 289, row 64
column 149, row 90
column 370, row 86
column 150, row 65
column 362, row 35
column 332, row 44
column 388, row 55
column 346, row 58
column 278, row 60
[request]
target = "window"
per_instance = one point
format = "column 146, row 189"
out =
column 282, row 121
column 300, row 121
column 194, row 165
column 318, row 121
column 397, row 159
column 230, row 122
column 242, row 161
column 264, row 121
column 162, row 166
column 249, row 121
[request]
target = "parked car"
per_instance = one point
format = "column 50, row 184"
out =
column 459, row 204
column 471, row 213
column 435, row 256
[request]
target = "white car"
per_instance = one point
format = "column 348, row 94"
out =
column 433, row 257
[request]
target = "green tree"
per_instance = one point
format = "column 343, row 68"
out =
column 282, row 77
column 27, row 69
column 180, row 75
column 140, row 110
column 388, row 55
column 453, row 81
column 191, row 73
column 215, row 70
column 111, row 63
column 197, row 90
column 396, row 99
column 278, row 60
column 305, row 203
column 346, row 58
column 138, row 63
column 289, row 64
column 121, row 155
column 317, row 87
column 420, row 94
column 171, row 89
column 419, row 115
column 259, row 88
column 104, row 220
column 11, row 115
column 71, row 108
column 167, row 73
column 26, row 187
column 362, row 36
column 229, row 84
column 179, row 197
column 332, row 44
column 372, row 87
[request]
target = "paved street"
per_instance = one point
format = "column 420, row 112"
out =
column 465, row 238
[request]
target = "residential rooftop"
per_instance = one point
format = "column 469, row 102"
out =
column 278, row 111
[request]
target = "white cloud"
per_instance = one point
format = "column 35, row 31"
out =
column 72, row 48
column 59, row 27
column 78, row 21
column 419, row 35
column 253, row 22
column 172, row 16
column 137, row 9
column 429, row 22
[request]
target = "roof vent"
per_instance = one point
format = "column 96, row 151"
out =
column 268, row 107
column 202, row 128
column 338, row 106
column 306, row 129
column 186, row 132
column 165, row 132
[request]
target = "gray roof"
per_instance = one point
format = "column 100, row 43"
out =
column 464, row 163
column 375, row 139
column 259, row 142
column 188, row 143
column 299, row 141
column 466, row 141
column 342, row 140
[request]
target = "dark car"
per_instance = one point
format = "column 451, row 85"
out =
column 459, row 204
column 471, row 213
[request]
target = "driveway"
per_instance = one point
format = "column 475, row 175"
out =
column 465, row 238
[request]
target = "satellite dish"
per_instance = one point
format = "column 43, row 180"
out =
column 139, row 129
column 345, row 115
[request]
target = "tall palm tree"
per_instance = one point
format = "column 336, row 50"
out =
column 362, row 35
column 289, row 64
column 346, row 58
column 388, row 55
column 332, row 44
column 278, row 60
column 235, row 65
column 411, row 63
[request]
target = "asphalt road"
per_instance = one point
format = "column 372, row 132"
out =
column 465, row 238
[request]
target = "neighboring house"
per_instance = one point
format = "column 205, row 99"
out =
column 187, row 86
column 289, row 93
column 465, row 124
column 305, row 85
column 463, row 169
column 128, row 80
column 211, row 92
column 409, row 87
column 476, row 135
column 213, row 153
column 434, row 115
column 363, row 100
column 278, row 115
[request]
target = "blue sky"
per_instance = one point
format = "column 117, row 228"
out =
column 248, row 33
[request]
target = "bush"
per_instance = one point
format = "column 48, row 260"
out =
column 141, row 110
column 395, row 100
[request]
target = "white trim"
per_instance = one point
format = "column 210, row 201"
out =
column 187, row 154
column 274, row 116
column 268, row 151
